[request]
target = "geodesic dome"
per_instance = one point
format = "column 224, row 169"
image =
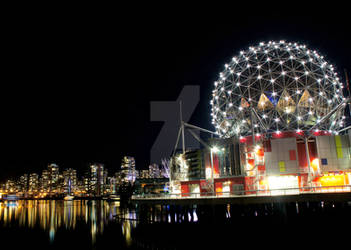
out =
column 276, row 86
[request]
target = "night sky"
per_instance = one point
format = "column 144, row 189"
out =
column 76, row 91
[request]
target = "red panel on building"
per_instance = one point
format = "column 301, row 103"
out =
column 313, row 150
column 261, row 167
column 240, row 180
column 292, row 154
column 219, row 188
column 215, row 164
column 267, row 146
column 301, row 152
column 247, row 140
column 185, row 190
column 287, row 134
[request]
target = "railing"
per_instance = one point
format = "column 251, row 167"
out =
column 247, row 193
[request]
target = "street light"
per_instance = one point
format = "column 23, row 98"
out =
column 215, row 150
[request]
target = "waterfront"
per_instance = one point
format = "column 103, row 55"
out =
column 51, row 224
column 44, row 224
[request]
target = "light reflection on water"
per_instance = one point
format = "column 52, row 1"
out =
column 155, row 226
column 105, row 222
column 50, row 215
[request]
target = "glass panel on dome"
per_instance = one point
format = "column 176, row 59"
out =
column 305, row 100
column 286, row 104
column 306, row 108
column 244, row 103
column 322, row 108
column 264, row 103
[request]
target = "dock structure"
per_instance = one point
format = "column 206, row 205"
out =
column 245, row 199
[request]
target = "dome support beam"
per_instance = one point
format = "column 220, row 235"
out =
column 259, row 120
column 327, row 116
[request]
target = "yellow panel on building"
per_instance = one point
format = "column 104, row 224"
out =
column 338, row 147
column 282, row 166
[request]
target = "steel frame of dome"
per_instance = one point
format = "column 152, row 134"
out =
column 274, row 87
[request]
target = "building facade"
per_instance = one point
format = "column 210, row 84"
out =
column 128, row 171
column 266, row 163
column 97, row 181
column 70, row 183
column 33, row 182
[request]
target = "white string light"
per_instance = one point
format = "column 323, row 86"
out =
column 280, row 80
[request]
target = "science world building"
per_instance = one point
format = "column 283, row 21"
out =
column 280, row 112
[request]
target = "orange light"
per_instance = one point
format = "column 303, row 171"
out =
column 219, row 189
column 332, row 180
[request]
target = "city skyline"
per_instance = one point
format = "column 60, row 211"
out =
column 95, row 181
column 73, row 103
column 146, row 129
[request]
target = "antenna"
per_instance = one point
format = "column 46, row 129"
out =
column 348, row 88
column 182, row 126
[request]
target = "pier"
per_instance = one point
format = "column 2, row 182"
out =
column 342, row 194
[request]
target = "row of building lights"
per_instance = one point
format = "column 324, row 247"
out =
column 298, row 131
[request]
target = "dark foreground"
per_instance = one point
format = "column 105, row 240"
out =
column 110, row 225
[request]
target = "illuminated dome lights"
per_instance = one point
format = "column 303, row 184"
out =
column 281, row 86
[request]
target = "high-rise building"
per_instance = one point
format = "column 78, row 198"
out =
column 23, row 183
column 60, row 184
column 50, row 179
column 98, row 178
column 128, row 172
column 45, row 181
column 86, row 182
column 154, row 171
column 69, row 181
column 53, row 178
column 10, row 186
column 33, row 182
column 144, row 174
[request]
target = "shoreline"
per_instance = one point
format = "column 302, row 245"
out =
column 62, row 199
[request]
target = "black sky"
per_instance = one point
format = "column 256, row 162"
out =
column 76, row 90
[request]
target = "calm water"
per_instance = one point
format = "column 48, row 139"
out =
column 55, row 224
column 93, row 225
